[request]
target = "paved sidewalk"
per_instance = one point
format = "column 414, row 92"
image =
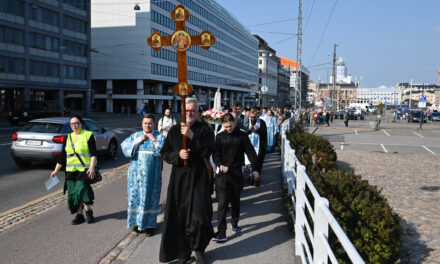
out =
column 264, row 238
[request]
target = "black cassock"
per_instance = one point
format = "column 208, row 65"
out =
column 188, row 212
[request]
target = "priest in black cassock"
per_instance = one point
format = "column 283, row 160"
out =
column 188, row 212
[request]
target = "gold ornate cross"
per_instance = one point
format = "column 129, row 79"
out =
column 181, row 40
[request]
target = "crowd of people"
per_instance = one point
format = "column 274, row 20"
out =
column 213, row 159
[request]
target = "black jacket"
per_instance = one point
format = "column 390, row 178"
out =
column 230, row 150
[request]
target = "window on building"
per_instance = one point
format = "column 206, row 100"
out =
column 74, row 72
column 11, row 36
column 80, row 4
column 260, row 62
column 74, row 48
column 46, row 69
column 11, row 65
column 74, row 24
column 13, row 7
column 43, row 15
column 43, row 42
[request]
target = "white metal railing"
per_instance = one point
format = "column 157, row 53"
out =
column 295, row 176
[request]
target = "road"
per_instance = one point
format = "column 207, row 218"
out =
column 19, row 186
column 393, row 137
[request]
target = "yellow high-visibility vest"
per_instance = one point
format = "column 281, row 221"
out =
column 82, row 148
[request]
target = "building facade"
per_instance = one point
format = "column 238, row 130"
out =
column 267, row 74
column 345, row 94
column 381, row 95
column 283, row 86
column 44, row 53
column 297, row 90
column 128, row 75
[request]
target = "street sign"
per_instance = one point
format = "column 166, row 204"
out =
column 264, row 89
column 422, row 101
column 406, row 103
column 329, row 102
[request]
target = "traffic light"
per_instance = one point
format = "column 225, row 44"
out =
column 257, row 97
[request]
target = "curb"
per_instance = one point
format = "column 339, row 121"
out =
column 36, row 207
column 128, row 245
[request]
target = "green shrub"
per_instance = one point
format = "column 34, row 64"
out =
column 359, row 208
column 363, row 214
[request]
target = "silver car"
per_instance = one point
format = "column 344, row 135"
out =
column 42, row 140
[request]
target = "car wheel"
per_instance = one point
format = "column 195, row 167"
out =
column 112, row 150
column 21, row 163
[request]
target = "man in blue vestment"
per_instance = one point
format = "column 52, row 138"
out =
column 144, row 176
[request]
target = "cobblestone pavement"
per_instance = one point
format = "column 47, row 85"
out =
column 411, row 183
column 23, row 213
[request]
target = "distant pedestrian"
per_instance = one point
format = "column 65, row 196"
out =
column 144, row 176
column 166, row 122
column 80, row 144
column 327, row 117
column 347, row 117
column 332, row 115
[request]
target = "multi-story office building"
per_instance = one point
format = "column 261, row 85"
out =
column 283, row 86
column 44, row 53
column 297, row 90
column 267, row 74
column 128, row 75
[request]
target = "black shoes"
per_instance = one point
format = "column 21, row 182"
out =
column 200, row 257
column 79, row 219
column 184, row 261
column 149, row 232
column 89, row 217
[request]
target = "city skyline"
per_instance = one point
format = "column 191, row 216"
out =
column 382, row 43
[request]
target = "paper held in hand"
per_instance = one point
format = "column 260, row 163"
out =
column 51, row 182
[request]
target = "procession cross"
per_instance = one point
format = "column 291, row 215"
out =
column 181, row 40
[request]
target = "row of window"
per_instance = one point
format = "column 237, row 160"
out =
column 36, row 40
column 74, row 72
column 46, row 69
column 172, row 56
column 195, row 76
column 11, row 36
column 211, row 54
column 163, row 70
column 80, row 4
column 11, row 65
column 163, row 20
column 43, row 15
column 204, row 13
column 74, row 24
column 39, row 68
column 43, row 42
column 13, row 7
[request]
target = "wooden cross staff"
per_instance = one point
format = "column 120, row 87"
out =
column 181, row 40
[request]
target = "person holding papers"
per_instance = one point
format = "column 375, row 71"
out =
column 80, row 144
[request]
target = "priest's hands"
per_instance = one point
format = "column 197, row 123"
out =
column 223, row 169
column 184, row 154
column 186, row 131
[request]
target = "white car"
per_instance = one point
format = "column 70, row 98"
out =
column 42, row 140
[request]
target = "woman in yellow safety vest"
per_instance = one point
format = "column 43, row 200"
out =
column 79, row 194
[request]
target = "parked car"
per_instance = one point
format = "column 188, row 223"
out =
column 435, row 116
column 42, row 140
column 339, row 114
column 416, row 116
column 30, row 110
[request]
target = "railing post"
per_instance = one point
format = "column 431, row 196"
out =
column 321, row 223
column 299, row 208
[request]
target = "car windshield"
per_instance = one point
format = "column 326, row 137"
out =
column 435, row 114
column 417, row 114
column 42, row 127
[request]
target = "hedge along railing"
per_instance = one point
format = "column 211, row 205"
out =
column 296, row 178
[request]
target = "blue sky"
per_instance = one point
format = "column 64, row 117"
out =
column 376, row 38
